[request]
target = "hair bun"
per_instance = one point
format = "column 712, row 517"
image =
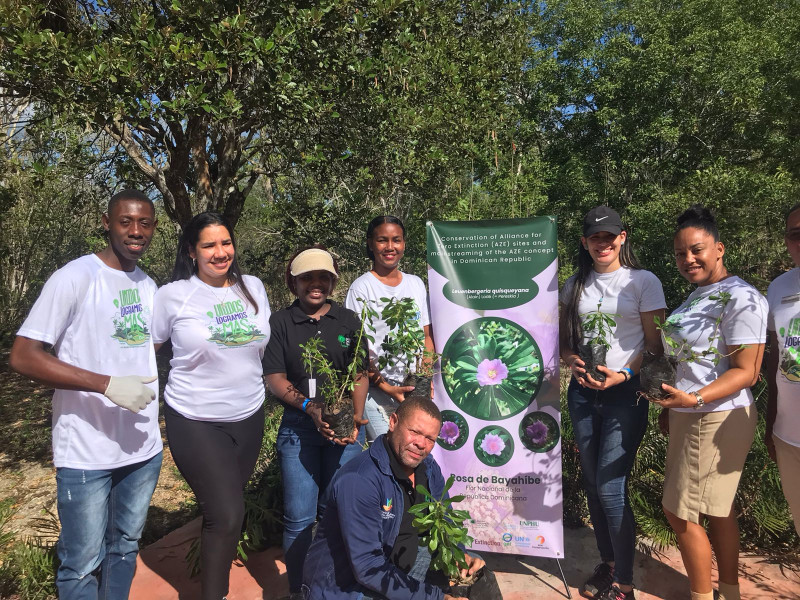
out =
column 700, row 217
column 697, row 214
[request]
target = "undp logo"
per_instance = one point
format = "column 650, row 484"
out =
column 507, row 537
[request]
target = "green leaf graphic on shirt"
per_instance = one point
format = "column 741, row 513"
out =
column 790, row 353
column 130, row 326
column 790, row 363
column 491, row 264
column 231, row 326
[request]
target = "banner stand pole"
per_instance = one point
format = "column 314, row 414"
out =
column 563, row 579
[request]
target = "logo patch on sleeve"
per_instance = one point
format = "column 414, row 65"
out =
column 387, row 509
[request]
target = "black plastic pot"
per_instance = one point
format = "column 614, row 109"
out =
column 593, row 356
column 340, row 418
column 655, row 371
column 484, row 587
column 422, row 386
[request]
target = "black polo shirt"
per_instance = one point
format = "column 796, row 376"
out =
column 290, row 327
column 404, row 551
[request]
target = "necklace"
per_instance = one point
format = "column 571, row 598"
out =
column 610, row 283
column 212, row 289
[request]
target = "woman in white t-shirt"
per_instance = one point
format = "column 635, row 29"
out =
column 386, row 244
column 218, row 322
column 607, row 416
column 782, row 435
column 720, row 330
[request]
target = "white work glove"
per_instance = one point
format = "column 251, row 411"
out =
column 130, row 392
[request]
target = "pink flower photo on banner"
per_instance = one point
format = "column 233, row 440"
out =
column 491, row 368
column 454, row 432
column 494, row 446
column 449, row 432
column 539, row 431
column 491, row 372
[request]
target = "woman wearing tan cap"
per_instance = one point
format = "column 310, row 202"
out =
column 308, row 452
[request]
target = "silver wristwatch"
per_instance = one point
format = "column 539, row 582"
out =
column 699, row 400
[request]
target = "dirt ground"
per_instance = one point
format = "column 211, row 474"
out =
column 27, row 474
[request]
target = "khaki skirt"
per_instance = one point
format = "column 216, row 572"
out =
column 705, row 458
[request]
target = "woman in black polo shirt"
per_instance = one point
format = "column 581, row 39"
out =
column 308, row 453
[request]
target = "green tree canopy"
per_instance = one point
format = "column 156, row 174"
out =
column 208, row 97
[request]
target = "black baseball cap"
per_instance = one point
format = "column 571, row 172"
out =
column 602, row 218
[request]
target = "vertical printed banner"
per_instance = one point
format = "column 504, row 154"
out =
column 494, row 309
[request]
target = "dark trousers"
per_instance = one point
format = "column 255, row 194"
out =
column 216, row 459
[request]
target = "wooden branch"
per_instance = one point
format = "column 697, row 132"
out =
column 248, row 187
column 122, row 134
column 197, row 134
column 228, row 161
column 118, row 130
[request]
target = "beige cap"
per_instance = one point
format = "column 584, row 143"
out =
column 313, row 259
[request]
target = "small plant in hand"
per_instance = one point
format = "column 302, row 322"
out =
column 663, row 369
column 335, row 386
column 441, row 529
column 598, row 327
column 406, row 343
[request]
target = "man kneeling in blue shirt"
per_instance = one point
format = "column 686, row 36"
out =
column 366, row 546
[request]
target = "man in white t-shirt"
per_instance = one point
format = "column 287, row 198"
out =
column 783, row 366
column 95, row 313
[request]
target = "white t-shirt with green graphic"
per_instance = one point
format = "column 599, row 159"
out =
column 218, row 341
column 370, row 289
column 783, row 296
column 99, row 319
column 744, row 321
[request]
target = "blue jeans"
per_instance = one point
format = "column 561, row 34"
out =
column 609, row 426
column 308, row 463
column 102, row 514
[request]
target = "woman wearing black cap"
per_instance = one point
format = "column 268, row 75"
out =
column 608, row 419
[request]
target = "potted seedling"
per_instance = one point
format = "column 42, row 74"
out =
column 442, row 530
column 663, row 369
column 659, row 368
column 598, row 326
column 336, row 386
column 405, row 343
